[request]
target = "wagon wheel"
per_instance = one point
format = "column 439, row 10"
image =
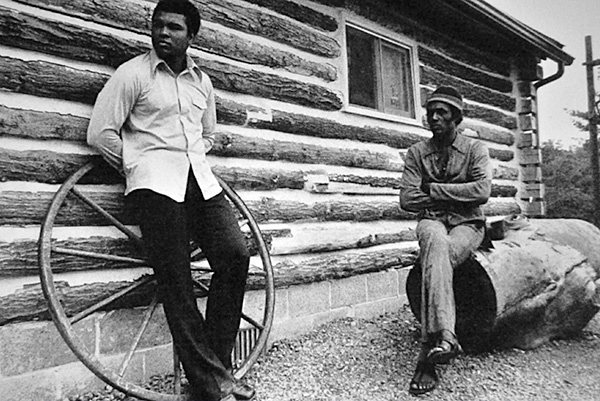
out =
column 116, row 369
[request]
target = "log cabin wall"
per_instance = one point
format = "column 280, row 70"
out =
column 318, row 175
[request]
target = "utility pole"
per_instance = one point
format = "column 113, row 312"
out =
column 593, row 118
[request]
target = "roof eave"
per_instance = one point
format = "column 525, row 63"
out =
column 551, row 48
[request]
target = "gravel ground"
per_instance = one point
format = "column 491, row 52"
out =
column 363, row 360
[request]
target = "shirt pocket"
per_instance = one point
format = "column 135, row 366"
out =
column 198, row 108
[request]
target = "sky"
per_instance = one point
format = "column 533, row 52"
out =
column 568, row 22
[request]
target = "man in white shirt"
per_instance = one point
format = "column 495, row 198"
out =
column 153, row 122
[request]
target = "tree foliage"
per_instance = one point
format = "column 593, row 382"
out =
column 568, row 181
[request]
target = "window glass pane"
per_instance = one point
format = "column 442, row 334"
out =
column 361, row 68
column 397, row 81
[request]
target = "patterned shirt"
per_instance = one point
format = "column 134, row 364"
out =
column 153, row 126
column 460, row 179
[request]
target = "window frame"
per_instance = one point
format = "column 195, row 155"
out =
column 396, row 41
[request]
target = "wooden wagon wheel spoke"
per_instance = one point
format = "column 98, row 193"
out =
column 101, row 256
column 138, row 337
column 195, row 253
column 252, row 321
column 252, row 338
column 201, row 269
column 106, row 301
column 122, row 227
column 177, row 373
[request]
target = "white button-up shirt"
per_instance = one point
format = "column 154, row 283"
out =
column 153, row 125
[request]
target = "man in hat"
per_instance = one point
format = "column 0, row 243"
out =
column 154, row 121
column 446, row 179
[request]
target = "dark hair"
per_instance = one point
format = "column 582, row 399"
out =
column 184, row 7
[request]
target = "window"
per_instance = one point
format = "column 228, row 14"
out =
column 380, row 74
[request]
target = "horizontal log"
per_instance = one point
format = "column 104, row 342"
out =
column 21, row 257
column 488, row 134
column 472, row 111
column 338, row 265
column 47, row 167
column 504, row 191
column 273, row 27
column 25, row 208
column 234, row 145
column 439, row 62
column 300, row 13
column 235, row 16
column 504, row 155
column 26, row 31
column 235, row 79
column 480, row 94
column 30, row 304
column 50, row 167
column 50, row 125
column 503, row 172
column 42, row 125
column 366, row 241
column 40, row 78
column 302, row 124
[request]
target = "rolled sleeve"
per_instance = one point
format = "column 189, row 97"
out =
column 412, row 198
column 477, row 191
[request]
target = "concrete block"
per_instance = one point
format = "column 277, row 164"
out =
column 393, row 305
column 369, row 310
column 119, row 328
column 382, row 285
column 334, row 314
column 308, row 299
column 158, row 361
column 290, row 328
column 27, row 347
column 134, row 372
column 255, row 304
column 402, row 275
column 348, row 291
column 75, row 378
column 282, row 304
column 38, row 386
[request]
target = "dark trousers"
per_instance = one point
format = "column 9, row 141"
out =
column 204, row 345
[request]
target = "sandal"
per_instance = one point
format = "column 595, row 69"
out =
column 446, row 349
column 424, row 380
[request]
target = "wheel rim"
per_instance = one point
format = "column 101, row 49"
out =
column 64, row 321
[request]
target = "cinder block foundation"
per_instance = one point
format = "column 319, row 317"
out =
column 36, row 364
